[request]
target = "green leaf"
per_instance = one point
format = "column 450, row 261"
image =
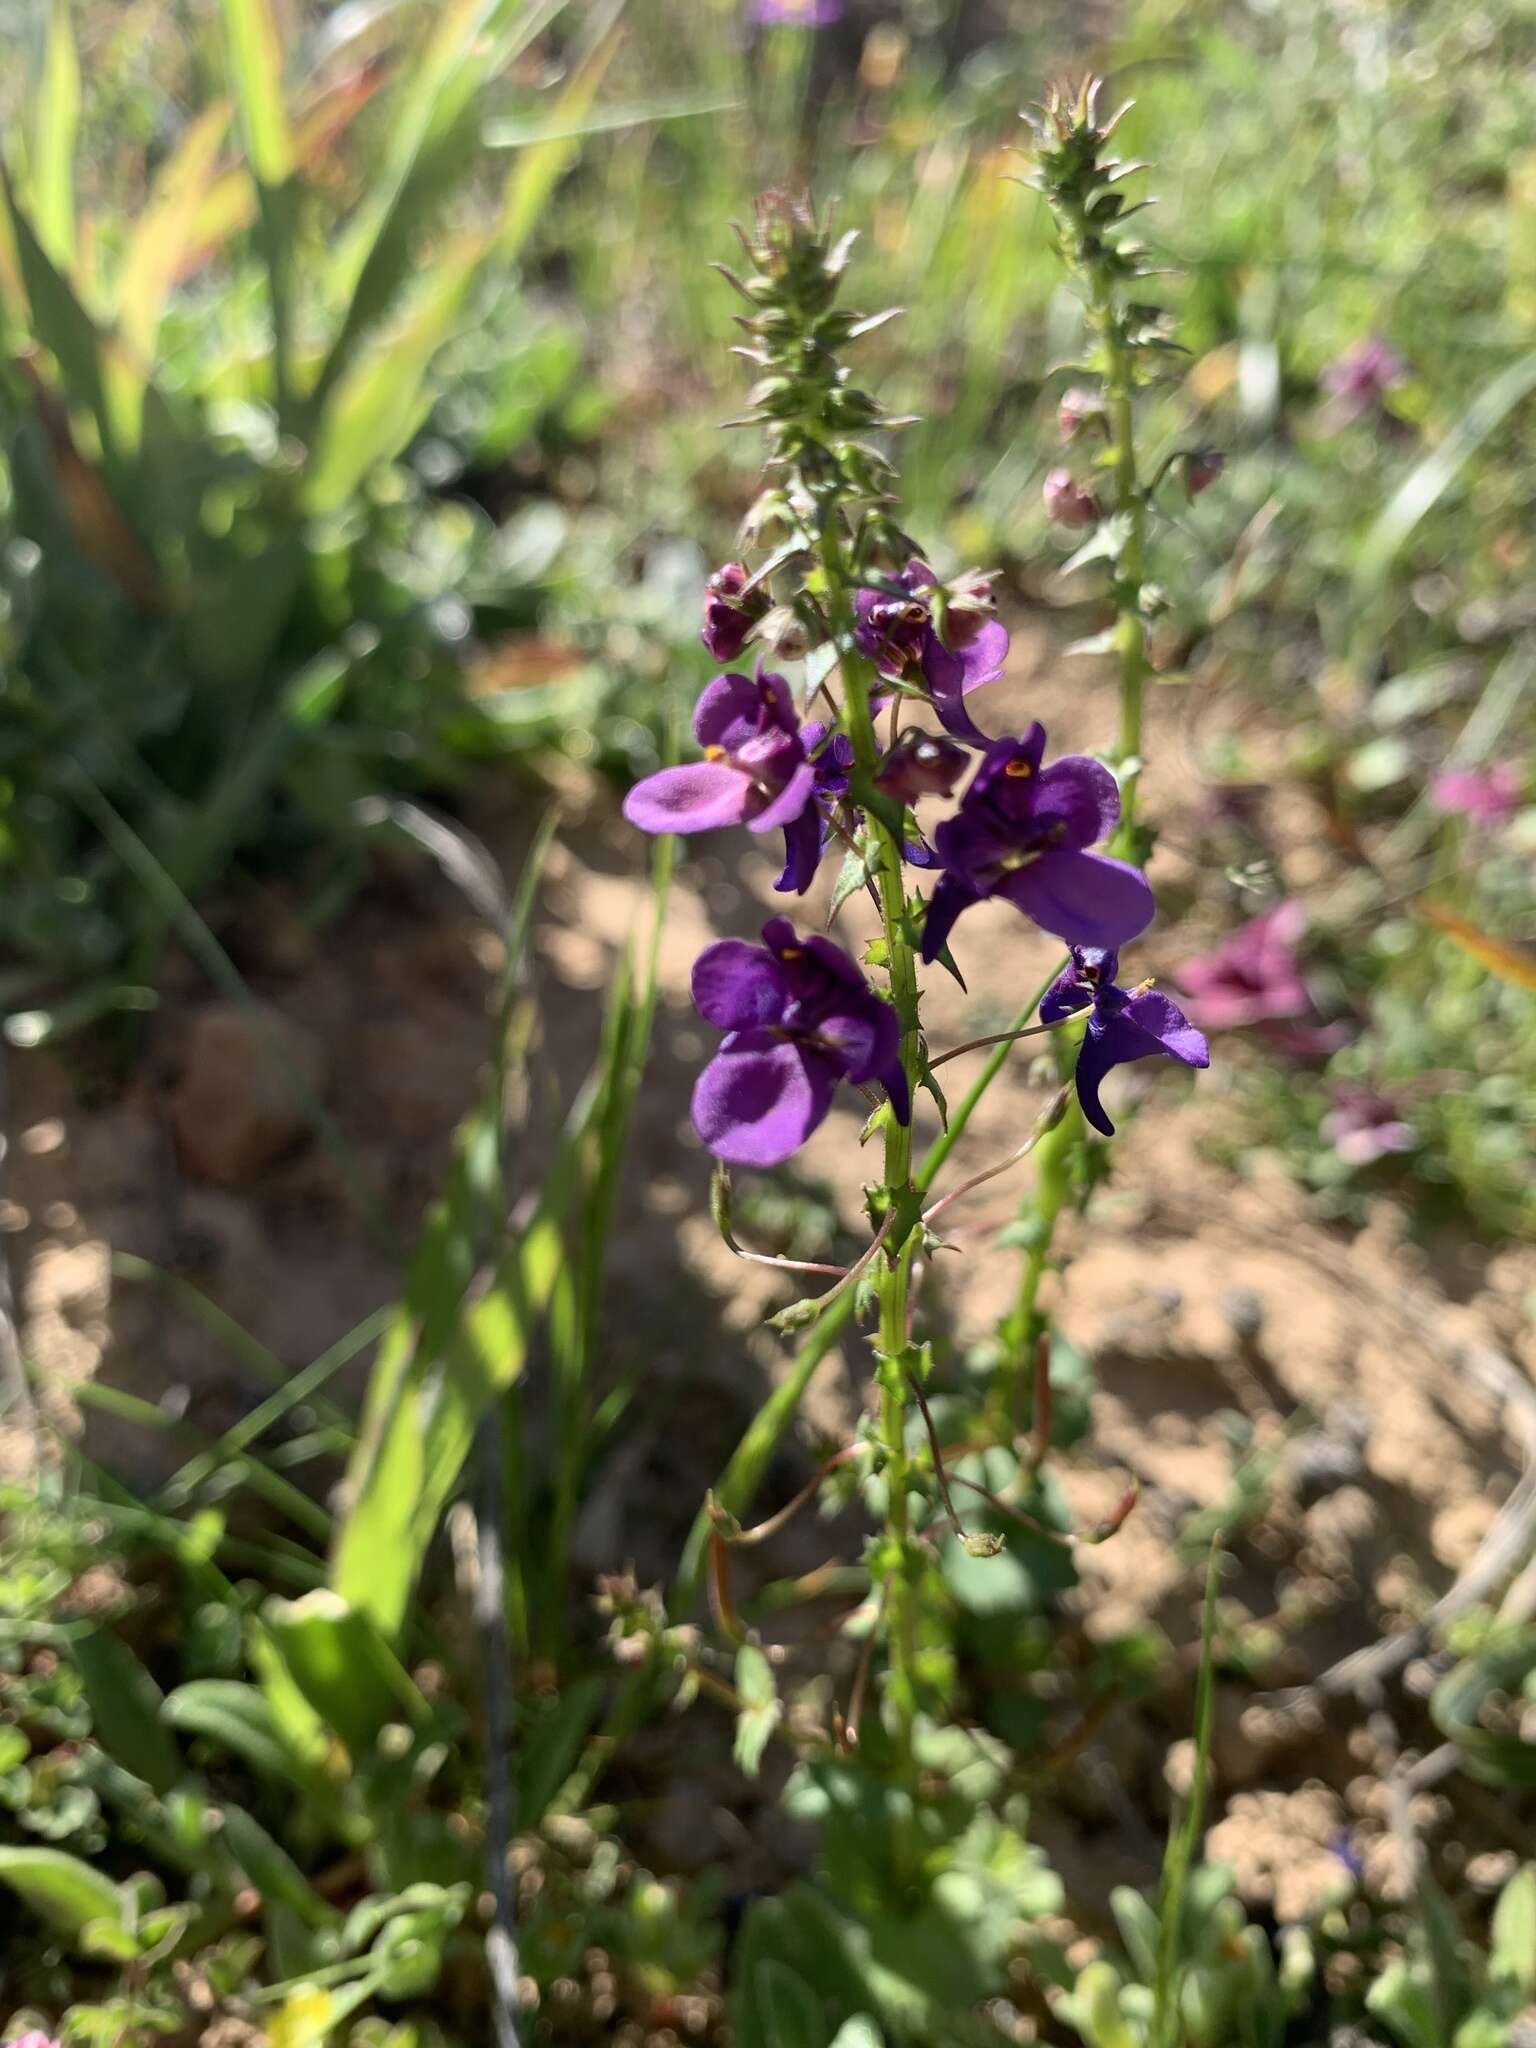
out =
column 238, row 1718
column 1184, row 1839
column 339, row 1660
column 272, row 1871
column 60, row 1889
column 126, row 1705
column 789, row 2010
column 859, row 2032
column 1512, row 1943
column 761, row 1707
column 56, row 121
column 256, row 69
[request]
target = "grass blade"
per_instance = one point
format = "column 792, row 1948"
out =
column 1429, row 480
column 1184, row 1840
column 56, row 123
column 256, row 71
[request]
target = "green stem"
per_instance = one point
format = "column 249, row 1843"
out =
column 857, row 676
column 1130, row 504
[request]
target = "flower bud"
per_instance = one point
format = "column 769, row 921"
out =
column 730, row 612
column 1202, row 466
column 1066, row 501
column 783, row 630
column 921, row 764
column 1081, row 408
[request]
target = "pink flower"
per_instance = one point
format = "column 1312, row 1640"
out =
column 1067, row 502
column 1363, row 1126
column 1361, row 378
column 1254, row 978
column 1489, row 795
column 36, row 2039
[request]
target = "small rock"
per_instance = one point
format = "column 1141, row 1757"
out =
column 238, row 1104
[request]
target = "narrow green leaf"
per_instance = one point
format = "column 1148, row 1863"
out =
column 761, row 1709
column 60, row 1889
column 1184, row 1839
column 126, row 1706
column 55, row 124
column 1429, row 479
column 256, row 72
column 272, row 1870
column 1512, row 1948
column 238, row 1718
column 343, row 1667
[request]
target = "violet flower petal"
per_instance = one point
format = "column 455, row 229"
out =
column 698, row 796
column 761, row 1097
column 791, row 800
column 737, row 986
column 1086, row 898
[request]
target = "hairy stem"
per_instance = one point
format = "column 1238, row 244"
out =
column 857, row 676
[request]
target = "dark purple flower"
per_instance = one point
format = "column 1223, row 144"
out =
column 1491, row 796
column 1066, row 500
column 1123, row 1025
column 1021, row 832
column 896, row 630
column 1363, row 1126
column 730, row 612
column 799, row 1017
column 920, row 764
column 1201, row 469
column 805, row 837
column 797, row 13
column 754, row 770
column 1361, row 378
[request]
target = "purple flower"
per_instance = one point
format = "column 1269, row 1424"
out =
column 1067, row 502
column 797, row 13
column 730, row 612
column 1123, row 1025
column 1361, row 378
column 920, row 764
column 1490, row 795
column 799, row 1017
column 1363, row 1126
column 1080, row 408
column 805, row 837
column 1021, row 831
column 896, row 631
column 754, row 770
column 1201, row 469
column 1254, row 978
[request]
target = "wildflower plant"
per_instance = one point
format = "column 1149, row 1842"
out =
column 888, row 721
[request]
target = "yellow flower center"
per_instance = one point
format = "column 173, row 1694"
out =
column 1018, row 767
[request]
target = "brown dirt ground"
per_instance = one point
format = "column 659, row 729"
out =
column 1195, row 1290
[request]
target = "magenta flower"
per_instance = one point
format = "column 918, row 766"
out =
column 1067, row 502
column 1361, row 378
column 731, row 611
column 1079, row 408
column 1252, row 977
column 1021, row 832
column 896, row 631
column 1123, row 1025
column 799, row 1017
column 754, row 770
column 797, row 13
column 1491, row 796
column 1363, row 1126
